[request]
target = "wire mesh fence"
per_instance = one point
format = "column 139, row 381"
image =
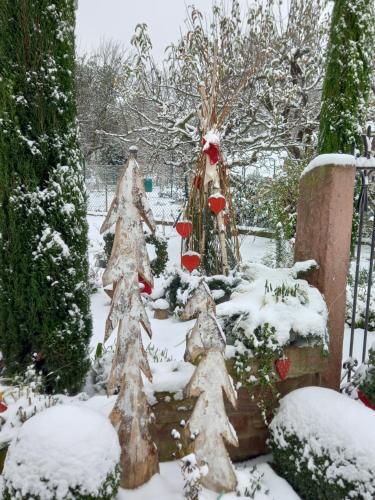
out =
column 165, row 199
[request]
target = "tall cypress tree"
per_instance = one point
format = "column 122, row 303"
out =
column 347, row 81
column 44, row 293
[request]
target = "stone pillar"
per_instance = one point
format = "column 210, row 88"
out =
column 324, row 223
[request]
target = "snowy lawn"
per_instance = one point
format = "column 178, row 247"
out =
column 168, row 485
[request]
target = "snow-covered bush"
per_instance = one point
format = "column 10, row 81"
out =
column 294, row 309
column 361, row 301
column 367, row 383
column 192, row 472
column 323, row 443
column 179, row 286
column 64, row 453
column 96, row 381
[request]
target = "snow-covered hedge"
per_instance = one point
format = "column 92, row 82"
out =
column 64, row 453
column 323, row 443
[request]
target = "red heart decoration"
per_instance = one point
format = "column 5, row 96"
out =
column 212, row 151
column 184, row 228
column 197, row 182
column 365, row 400
column 3, row 407
column 282, row 367
column 146, row 286
column 216, row 203
column 191, row 260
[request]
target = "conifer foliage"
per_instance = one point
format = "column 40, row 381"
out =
column 44, row 294
column 347, row 81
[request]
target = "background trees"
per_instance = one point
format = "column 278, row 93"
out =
column 271, row 65
column 44, row 296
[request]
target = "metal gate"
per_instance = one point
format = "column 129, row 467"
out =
column 362, row 318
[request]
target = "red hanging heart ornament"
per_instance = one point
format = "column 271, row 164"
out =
column 184, row 228
column 211, row 147
column 146, row 286
column 217, row 203
column 362, row 397
column 3, row 407
column 282, row 366
column 190, row 260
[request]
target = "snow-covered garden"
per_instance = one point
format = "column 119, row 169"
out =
column 224, row 348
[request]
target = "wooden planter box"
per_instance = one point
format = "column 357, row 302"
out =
column 307, row 365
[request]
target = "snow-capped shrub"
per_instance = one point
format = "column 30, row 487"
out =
column 294, row 309
column 63, row 453
column 367, row 384
column 361, row 301
column 96, row 380
column 179, row 286
column 323, row 443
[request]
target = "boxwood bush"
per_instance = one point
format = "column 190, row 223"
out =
column 66, row 452
column 323, row 444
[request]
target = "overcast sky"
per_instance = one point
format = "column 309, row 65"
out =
column 116, row 19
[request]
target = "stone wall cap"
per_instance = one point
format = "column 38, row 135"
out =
column 332, row 159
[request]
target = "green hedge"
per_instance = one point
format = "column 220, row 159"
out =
column 107, row 491
column 324, row 446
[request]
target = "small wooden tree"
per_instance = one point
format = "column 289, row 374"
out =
column 209, row 422
column 129, row 262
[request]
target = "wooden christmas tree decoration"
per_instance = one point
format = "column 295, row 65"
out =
column 209, row 421
column 129, row 262
column 200, row 300
column 198, row 343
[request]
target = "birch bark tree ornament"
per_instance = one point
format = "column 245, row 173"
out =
column 131, row 414
column 199, row 300
column 209, row 422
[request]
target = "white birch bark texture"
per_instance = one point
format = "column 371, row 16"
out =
column 209, row 421
column 131, row 414
column 205, row 335
column 200, row 300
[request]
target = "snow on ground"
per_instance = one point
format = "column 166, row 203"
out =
column 168, row 484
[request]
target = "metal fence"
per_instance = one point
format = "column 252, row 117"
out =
column 101, row 180
column 361, row 276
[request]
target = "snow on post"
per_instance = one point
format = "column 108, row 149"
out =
column 128, row 262
column 209, row 422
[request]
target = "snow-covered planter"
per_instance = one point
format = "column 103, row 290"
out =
column 64, row 453
column 323, row 443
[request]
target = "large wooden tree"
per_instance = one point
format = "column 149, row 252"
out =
column 347, row 82
column 127, row 264
column 44, row 292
